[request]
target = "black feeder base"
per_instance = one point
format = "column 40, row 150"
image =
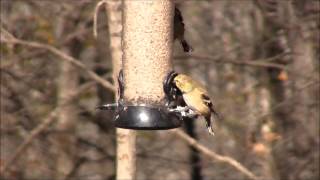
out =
column 146, row 118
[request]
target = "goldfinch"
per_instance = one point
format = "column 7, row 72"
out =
column 196, row 99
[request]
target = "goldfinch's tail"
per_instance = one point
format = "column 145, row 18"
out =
column 209, row 125
column 186, row 47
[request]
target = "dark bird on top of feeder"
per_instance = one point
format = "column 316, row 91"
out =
column 179, row 30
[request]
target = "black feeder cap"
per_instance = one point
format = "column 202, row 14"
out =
column 143, row 117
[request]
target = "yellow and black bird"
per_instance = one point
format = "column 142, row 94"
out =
column 179, row 30
column 195, row 97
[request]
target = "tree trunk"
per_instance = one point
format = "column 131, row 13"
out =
column 126, row 139
column 64, row 138
column 297, row 121
column 299, row 125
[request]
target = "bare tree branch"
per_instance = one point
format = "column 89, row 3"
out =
column 255, row 63
column 95, row 17
column 63, row 56
column 214, row 156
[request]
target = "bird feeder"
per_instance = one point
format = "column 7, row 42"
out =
column 147, row 50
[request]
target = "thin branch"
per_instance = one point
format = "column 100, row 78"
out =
column 255, row 63
column 98, row 148
column 214, row 156
column 75, row 168
column 62, row 55
column 41, row 127
column 95, row 17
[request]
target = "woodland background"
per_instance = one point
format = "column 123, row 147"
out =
column 259, row 60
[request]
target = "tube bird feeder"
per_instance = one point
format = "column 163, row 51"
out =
column 147, row 50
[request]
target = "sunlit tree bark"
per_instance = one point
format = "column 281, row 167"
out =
column 64, row 138
column 295, row 118
column 126, row 139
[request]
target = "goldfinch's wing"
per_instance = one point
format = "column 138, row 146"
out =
column 208, row 102
column 199, row 87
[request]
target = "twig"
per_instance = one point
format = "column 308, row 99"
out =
column 41, row 127
column 75, row 168
column 214, row 156
column 255, row 63
column 61, row 54
column 95, row 17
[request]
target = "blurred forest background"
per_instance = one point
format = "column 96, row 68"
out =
column 258, row 58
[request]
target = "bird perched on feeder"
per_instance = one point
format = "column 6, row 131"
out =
column 179, row 30
column 195, row 96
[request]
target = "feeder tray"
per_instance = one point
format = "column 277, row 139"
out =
column 142, row 117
